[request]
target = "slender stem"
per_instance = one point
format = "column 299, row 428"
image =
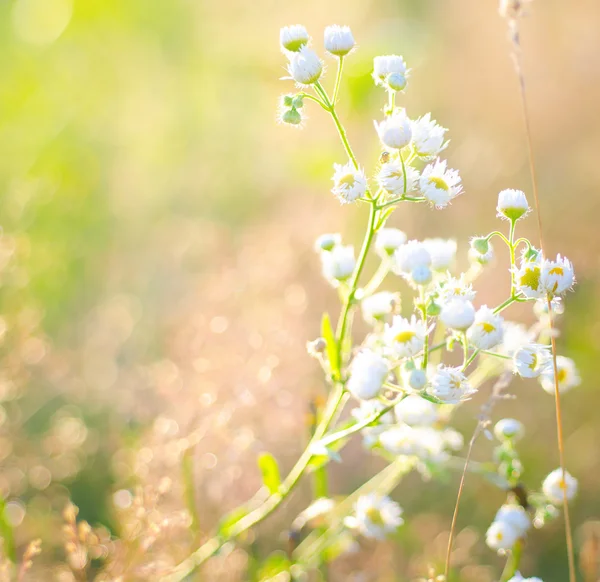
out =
column 511, row 240
column 423, row 310
column 400, row 199
column 499, row 235
column 338, row 80
column 505, row 304
column 512, row 562
column 403, row 172
column 378, row 277
column 315, row 99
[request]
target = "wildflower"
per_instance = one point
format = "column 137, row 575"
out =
column 554, row 486
column 415, row 378
column 439, row 185
column 376, row 516
column 442, row 252
column 556, row 277
column 481, row 251
column 416, row 411
column 377, row 306
column 531, row 360
column 326, row 242
column 388, row 240
column 395, row 131
column 516, row 335
column 428, row 138
column 405, row 338
column 515, row 516
column 508, row 429
column 293, row 38
column 512, row 205
column 450, row 385
column 349, row 183
column 409, row 256
column 368, row 372
column 458, row 314
column 568, row 376
column 338, row 264
column 390, row 66
column 305, row 67
column 391, row 178
column 421, row 275
column 455, row 288
column 501, row 536
column 527, row 279
column 338, row 40
column 486, row 331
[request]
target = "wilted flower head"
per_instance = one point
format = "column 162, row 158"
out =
column 388, row 240
column 378, row 306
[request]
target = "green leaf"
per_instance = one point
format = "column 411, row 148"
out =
column 331, row 348
column 230, row 520
column 270, row 472
column 6, row 533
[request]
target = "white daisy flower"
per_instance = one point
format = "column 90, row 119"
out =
column 527, row 279
column 428, row 138
column 554, row 485
column 501, row 536
column 405, row 338
column 416, row 411
column 508, row 429
column 326, row 242
column 458, row 314
column 305, row 67
column 515, row 516
column 442, row 252
column 338, row 264
column 388, row 240
column 387, row 65
column 568, row 376
column 486, row 331
column 450, row 385
column 378, row 306
column 394, row 131
column 455, row 288
column 409, row 256
column 293, row 38
column 349, row 184
column 439, row 184
column 556, row 277
column 368, row 372
column 338, row 40
column 376, row 516
column 532, row 360
column 512, row 204
column 391, row 178
column 516, row 336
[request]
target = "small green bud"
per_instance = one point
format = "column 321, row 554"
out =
column 433, row 309
column 481, row 244
column 287, row 100
column 292, row 117
column 531, row 254
column 298, row 102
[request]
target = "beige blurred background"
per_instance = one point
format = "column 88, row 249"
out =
column 158, row 278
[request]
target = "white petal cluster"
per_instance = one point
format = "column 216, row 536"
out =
column 395, row 131
column 512, row 204
column 410, row 257
column 428, row 138
column 508, row 429
column 376, row 516
column 388, row 240
column 305, row 66
column 368, row 372
column 450, row 385
column 458, row 314
column 439, row 184
column 557, row 277
column 378, row 306
column 516, row 336
column 527, row 279
column 487, row 329
column 349, row 183
column 424, row 442
column 554, row 486
column 568, row 376
column 390, row 71
column 416, row 411
column 338, row 264
column 404, row 337
column 391, row 178
column 510, row 524
column 442, row 252
column 532, row 360
column 455, row 288
column 338, row 40
column 293, row 38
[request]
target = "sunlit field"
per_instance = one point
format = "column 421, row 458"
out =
column 161, row 417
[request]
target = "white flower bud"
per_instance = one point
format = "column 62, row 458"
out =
column 378, row 306
column 388, row 66
column 293, row 38
column 388, row 240
column 409, row 256
column 338, row 264
column 416, row 411
column 508, row 429
column 421, row 275
column 326, row 242
column 338, row 40
column 395, row 131
column 305, row 67
column 368, row 372
column 415, row 378
column 458, row 314
column 512, row 204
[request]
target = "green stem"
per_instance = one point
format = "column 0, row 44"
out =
column 378, row 277
column 512, row 562
column 315, row 99
column 423, row 310
column 403, row 173
column 400, row 199
column 338, row 80
column 511, row 240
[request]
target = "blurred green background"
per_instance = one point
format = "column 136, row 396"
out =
column 158, row 279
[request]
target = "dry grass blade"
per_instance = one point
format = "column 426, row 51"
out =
column 483, row 421
column 513, row 13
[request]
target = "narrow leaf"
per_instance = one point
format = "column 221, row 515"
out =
column 270, row 472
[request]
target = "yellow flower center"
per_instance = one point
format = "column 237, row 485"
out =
column 488, row 327
column 562, row 375
column 534, row 361
column 556, row 271
column 347, row 180
column 439, row 183
column 405, row 336
column 530, row 278
column 374, row 516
